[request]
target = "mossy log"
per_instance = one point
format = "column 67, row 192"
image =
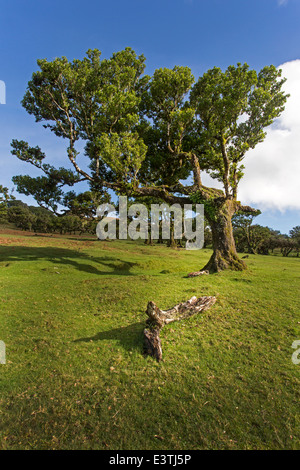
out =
column 159, row 318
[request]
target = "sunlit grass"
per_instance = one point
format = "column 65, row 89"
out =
column 72, row 317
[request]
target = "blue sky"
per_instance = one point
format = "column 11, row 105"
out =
column 196, row 33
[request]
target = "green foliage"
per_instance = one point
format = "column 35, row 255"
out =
column 165, row 104
column 21, row 217
column 210, row 208
column 168, row 120
column 87, row 99
column 27, row 217
column 124, row 154
column 145, row 129
column 3, row 202
column 233, row 108
column 295, row 236
column 244, row 231
column 143, row 136
column 69, row 224
column 286, row 244
column 45, row 191
column 5, row 199
column 84, row 204
column 123, row 116
column 257, row 239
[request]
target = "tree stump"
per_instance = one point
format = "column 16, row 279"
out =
column 159, row 318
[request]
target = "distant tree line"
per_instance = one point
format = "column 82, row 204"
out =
column 249, row 238
column 38, row 219
column 5, row 197
column 80, row 217
column 256, row 239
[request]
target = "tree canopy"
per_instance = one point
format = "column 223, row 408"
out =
column 147, row 136
column 5, row 198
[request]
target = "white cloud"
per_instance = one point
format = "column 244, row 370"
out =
column 272, row 173
column 273, row 168
column 282, row 2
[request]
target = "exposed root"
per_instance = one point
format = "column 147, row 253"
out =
column 198, row 273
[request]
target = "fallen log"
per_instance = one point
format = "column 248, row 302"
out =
column 159, row 318
column 152, row 343
column 198, row 273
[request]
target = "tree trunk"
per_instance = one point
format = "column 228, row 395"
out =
column 172, row 243
column 224, row 255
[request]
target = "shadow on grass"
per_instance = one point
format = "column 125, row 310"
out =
column 67, row 257
column 130, row 337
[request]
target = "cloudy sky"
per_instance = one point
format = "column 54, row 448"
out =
column 196, row 33
column 272, row 169
column 276, row 185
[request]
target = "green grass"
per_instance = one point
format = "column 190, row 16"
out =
column 72, row 317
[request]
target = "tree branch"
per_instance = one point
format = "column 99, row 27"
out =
column 226, row 165
column 196, row 171
column 247, row 209
column 161, row 192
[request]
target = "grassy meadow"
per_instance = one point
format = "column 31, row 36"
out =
column 72, row 318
